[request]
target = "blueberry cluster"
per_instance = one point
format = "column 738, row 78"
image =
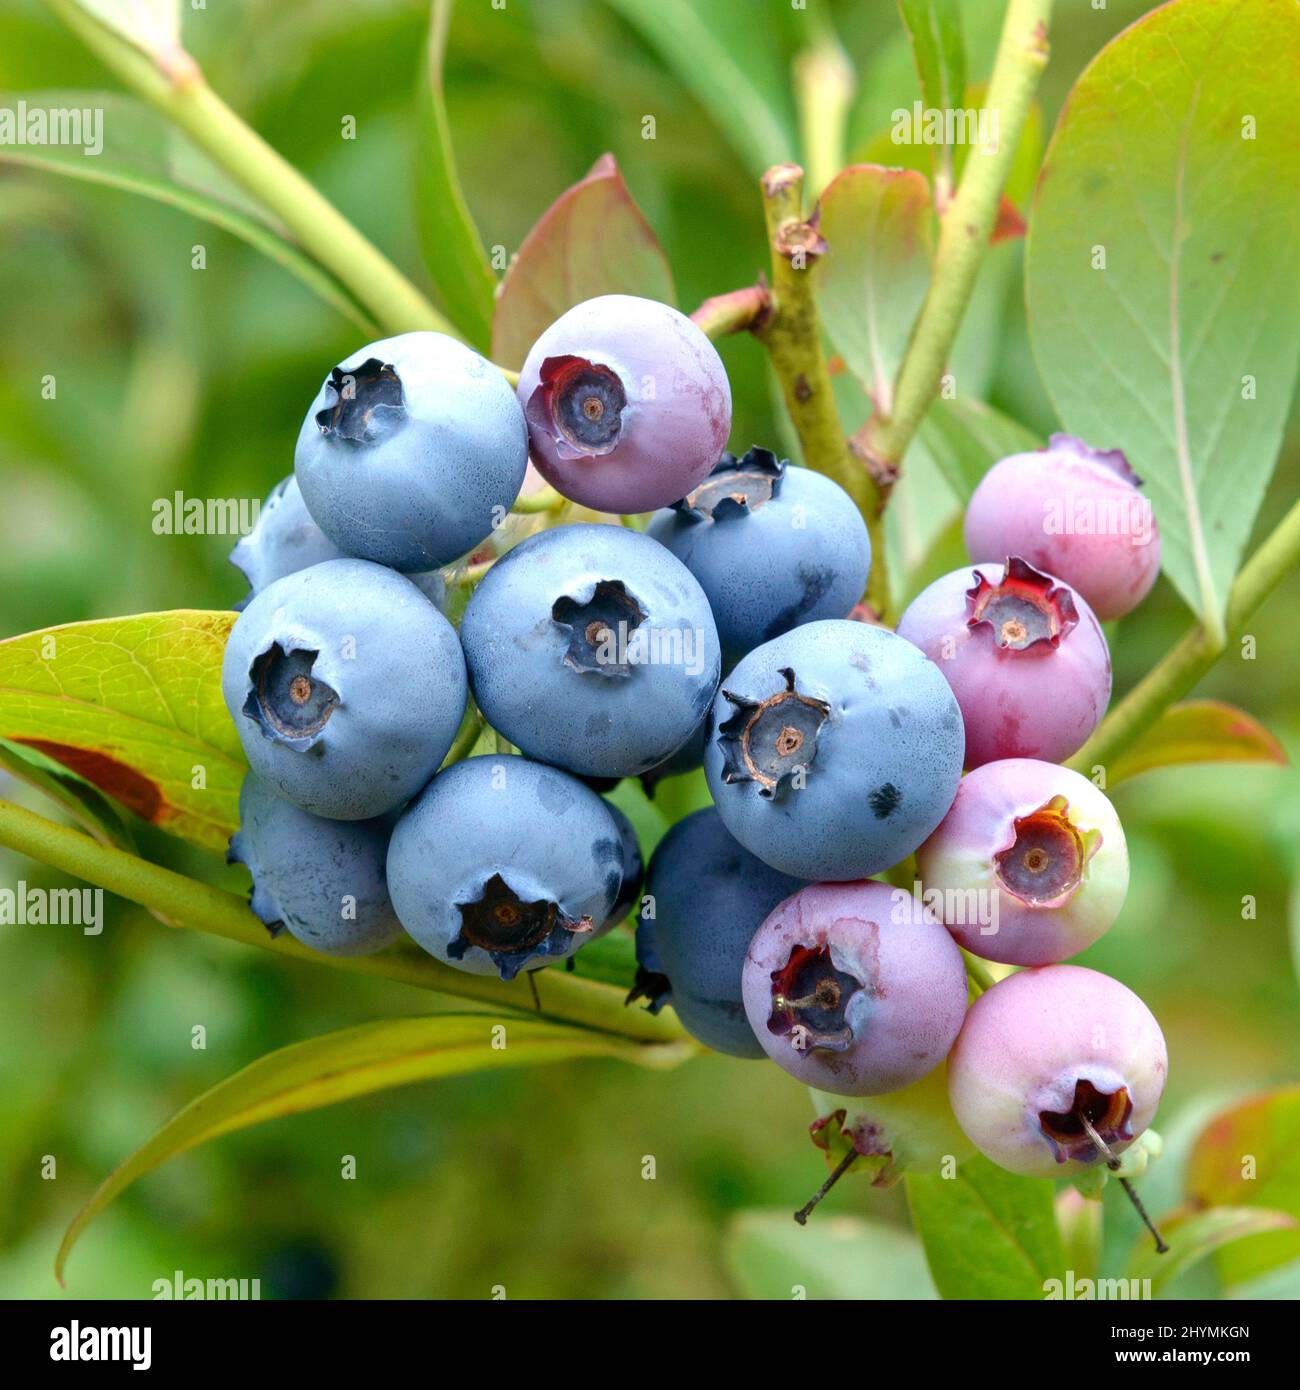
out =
column 719, row 637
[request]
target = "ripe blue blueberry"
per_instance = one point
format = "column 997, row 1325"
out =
column 772, row 546
column 502, row 864
column 414, row 448
column 834, row 750
column 627, row 402
column 633, row 866
column 285, row 539
column 686, row 759
column 346, row 686
column 706, row 896
column 592, row 648
column 321, row 880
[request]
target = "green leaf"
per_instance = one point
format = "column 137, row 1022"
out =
column 133, row 706
column 966, row 438
column 1198, row 731
column 1176, row 155
column 453, row 249
column 592, row 240
column 84, row 803
column 353, row 1062
column 733, row 66
column 1249, row 1156
column 934, row 30
column 833, row 1257
column 1193, row 1236
column 873, row 278
column 145, row 154
column 988, row 1234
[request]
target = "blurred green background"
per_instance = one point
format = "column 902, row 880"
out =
column 171, row 378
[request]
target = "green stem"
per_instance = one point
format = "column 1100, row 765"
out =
column 791, row 332
column 978, row 973
column 201, row 907
column 545, row 499
column 470, row 575
column 964, row 232
column 472, row 725
column 1176, row 674
column 174, row 84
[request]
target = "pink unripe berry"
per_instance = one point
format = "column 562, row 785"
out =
column 1046, row 1055
column 854, row 988
column 1029, row 866
column 1024, row 655
column 627, row 402
column 1075, row 512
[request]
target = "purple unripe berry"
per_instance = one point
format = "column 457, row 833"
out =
column 1075, row 512
column 854, row 988
column 627, row 402
column 1044, row 1055
column 1024, row 655
column 1030, row 863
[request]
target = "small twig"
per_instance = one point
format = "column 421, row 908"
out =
column 793, row 338
column 737, row 311
column 805, row 1211
column 1113, row 1164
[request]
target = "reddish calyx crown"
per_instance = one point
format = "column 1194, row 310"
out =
column 1026, row 608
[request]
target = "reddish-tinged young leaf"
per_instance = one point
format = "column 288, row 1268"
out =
column 592, row 240
column 1249, row 1156
column 1199, row 731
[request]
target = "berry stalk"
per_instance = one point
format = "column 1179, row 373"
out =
column 186, row 902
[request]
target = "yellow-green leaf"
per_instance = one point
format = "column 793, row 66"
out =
column 133, row 705
column 1198, row 731
column 354, row 1062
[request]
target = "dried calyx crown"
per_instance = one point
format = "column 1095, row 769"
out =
column 599, row 627
column 771, row 741
column 810, row 996
column 1024, row 609
column 367, row 405
column 513, row 930
column 285, row 700
column 736, row 487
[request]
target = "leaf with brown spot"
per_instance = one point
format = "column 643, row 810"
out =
column 592, row 240
column 133, row 706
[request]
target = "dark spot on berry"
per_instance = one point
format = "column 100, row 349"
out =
column 885, row 800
